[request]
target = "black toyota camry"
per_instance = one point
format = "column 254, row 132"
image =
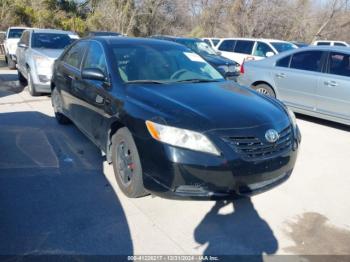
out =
column 169, row 123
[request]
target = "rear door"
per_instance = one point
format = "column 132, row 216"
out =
column 243, row 50
column 296, row 78
column 226, row 48
column 334, row 86
column 67, row 79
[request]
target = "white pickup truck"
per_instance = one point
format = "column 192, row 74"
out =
column 13, row 35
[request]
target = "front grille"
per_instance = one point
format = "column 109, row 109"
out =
column 253, row 148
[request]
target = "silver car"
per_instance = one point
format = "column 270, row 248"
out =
column 36, row 52
column 313, row 80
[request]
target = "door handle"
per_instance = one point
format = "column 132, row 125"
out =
column 281, row 75
column 330, row 83
column 99, row 99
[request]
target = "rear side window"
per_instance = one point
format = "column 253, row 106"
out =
column 324, row 43
column 227, row 45
column 283, row 62
column 339, row 44
column 215, row 41
column 309, row 60
column 74, row 56
column 244, row 47
column 339, row 64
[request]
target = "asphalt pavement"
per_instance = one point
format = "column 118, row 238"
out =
column 59, row 196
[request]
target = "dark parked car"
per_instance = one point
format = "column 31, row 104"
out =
column 228, row 68
column 169, row 122
column 104, row 33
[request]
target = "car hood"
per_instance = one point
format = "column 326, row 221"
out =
column 50, row 53
column 218, row 60
column 207, row 106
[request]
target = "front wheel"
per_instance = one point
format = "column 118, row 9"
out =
column 31, row 86
column 126, row 164
column 265, row 90
column 22, row 80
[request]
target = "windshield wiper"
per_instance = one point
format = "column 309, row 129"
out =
column 145, row 82
column 196, row 80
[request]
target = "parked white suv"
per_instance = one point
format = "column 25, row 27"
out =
column 13, row 35
column 241, row 49
column 212, row 41
column 330, row 43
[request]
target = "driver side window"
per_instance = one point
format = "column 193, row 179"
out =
column 95, row 58
column 262, row 49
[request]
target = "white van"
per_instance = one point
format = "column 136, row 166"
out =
column 241, row 49
column 330, row 43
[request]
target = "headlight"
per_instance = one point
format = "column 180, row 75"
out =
column 223, row 68
column 292, row 117
column 43, row 65
column 233, row 68
column 181, row 138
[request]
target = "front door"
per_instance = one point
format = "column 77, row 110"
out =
column 297, row 82
column 334, row 87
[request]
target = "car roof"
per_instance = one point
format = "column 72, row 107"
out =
column 51, row 31
column 18, row 27
column 166, row 37
column 255, row 39
column 130, row 40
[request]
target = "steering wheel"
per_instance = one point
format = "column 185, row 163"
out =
column 178, row 73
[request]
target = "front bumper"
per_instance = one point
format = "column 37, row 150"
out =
column 173, row 172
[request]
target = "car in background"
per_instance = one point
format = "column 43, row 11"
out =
column 241, row 49
column 330, row 43
column 13, row 34
column 170, row 123
column 104, row 33
column 228, row 68
column 300, row 44
column 36, row 53
column 312, row 80
column 213, row 42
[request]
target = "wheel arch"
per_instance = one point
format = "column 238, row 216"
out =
column 113, row 128
column 256, row 83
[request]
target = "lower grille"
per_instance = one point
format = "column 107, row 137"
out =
column 253, row 148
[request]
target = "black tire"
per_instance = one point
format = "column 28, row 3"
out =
column 22, row 80
column 57, row 107
column 265, row 90
column 31, row 86
column 127, row 165
column 10, row 63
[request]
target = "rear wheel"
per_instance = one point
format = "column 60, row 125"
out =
column 265, row 90
column 126, row 164
column 57, row 107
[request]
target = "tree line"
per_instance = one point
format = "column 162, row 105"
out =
column 301, row 20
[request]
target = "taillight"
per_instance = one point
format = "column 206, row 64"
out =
column 242, row 68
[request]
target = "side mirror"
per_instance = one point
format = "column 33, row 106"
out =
column 22, row 45
column 93, row 74
column 269, row 54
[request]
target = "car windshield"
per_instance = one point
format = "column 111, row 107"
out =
column 15, row 33
column 50, row 40
column 200, row 47
column 282, row 47
column 162, row 64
